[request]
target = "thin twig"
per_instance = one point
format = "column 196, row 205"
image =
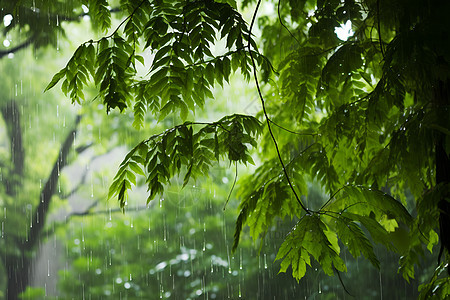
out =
column 21, row 46
column 379, row 28
column 282, row 24
column 118, row 27
column 232, row 188
column 291, row 131
column 342, row 282
column 216, row 124
column 265, row 112
column 331, row 197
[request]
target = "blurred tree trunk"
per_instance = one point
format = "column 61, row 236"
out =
column 18, row 262
column 11, row 116
column 18, row 271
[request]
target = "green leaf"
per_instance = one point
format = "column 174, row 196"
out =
column 161, row 53
column 56, row 78
column 361, row 200
column 139, row 112
column 136, row 168
column 309, row 238
column 354, row 239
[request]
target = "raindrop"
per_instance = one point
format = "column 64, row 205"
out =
column 240, row 258
column 161, row 266
column 165, row 229
column 265, row 261
column 7, row 19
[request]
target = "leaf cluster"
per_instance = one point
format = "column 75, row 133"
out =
column 362, row 113
column 181, row 150
column 183, row 68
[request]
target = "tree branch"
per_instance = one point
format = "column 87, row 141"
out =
column 79, row 149
column 21, row 46
column 88, row 212
column 76, row 188
column 38, row 218
column 31, row 39
column 266, row 115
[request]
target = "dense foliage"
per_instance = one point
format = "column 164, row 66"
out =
column 367, row 117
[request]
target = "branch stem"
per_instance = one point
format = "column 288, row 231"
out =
column 255, row 75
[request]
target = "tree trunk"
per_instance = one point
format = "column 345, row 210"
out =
column 16, row 266
column 18, row 272
column 11, row 116
column 18, row 263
